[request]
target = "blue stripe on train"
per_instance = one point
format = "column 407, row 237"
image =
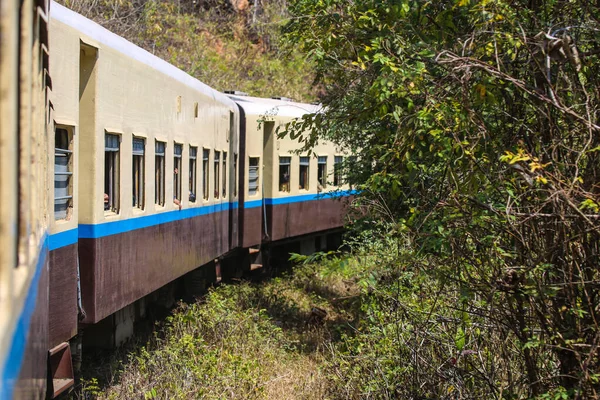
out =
column 16, row 352
column 91, row 231
column 253, row 203
column 309, row 197
column 62, row 239
column 94, row 231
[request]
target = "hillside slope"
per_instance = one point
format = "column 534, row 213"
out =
column 227, row 44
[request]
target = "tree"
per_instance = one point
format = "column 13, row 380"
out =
column 477, row 123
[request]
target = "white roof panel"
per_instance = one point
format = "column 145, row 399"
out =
column 258, row 106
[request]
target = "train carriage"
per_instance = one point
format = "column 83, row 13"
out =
column 23, row 190
column 286, row 194
column 128, row 177
column 151, row 199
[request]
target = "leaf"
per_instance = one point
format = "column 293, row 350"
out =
column 459, row 339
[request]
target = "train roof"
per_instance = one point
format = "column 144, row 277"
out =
column 105, row 37
column 284, row 108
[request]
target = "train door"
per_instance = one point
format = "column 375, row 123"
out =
column 232, row 182
column 269, row 150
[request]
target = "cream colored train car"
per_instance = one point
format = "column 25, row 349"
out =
column 286, row 194
column 23, row 190
column 144, row 170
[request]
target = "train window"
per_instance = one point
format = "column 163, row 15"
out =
column 63, row 173
column 159, row 173
column 217, row 161
column 322, row 171
column 284, row 173
column 205, row 175
column 235, row 174
column 111, row 172
column 224, row 174
column 304, row 172
column 177, row 152
column 337, row 170
column 138, row 172
column 352, row 160
column 193, row 168
column 253, row 172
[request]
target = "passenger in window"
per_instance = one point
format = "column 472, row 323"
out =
column 285, row 182
column 106, row 202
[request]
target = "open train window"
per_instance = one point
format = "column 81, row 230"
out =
column 177, row 152
column 138, row 172
column 224, row 174
column 111, row 172
column 253, row 173
column 337, row 170
column 159, row 173
column 217, row 161
column 205, row 174
column 304, row 172
column 284, row 173
column 193, row 169
column 63, row 173
column 322, row 171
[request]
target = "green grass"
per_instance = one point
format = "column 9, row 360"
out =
column 243, row 341
column 381, row 323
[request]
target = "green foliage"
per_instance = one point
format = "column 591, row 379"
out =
column 228, row 345
column 474, row 126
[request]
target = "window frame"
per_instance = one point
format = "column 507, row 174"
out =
column 216, row 167
column 177, row 164
column 193, row 173
column 112, row 157
column 304, row 163
column 338, row 163
column 159, row 172
column 69, row 174
column 138, row 159
column 257, row 166
column 206, row 173
column 322, row 171
column 287, row 164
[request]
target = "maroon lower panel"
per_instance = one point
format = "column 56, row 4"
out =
column 251, row 226
column 301, row 218
column 62, row 317
column 32, row 378
column 234, row 234
column 119, row 269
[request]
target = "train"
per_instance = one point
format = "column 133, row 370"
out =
column 123, row 177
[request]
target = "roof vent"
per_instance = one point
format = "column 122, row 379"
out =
column 282, row 98
column 235, row 92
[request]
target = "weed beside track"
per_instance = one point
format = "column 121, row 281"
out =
column 266, row 339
